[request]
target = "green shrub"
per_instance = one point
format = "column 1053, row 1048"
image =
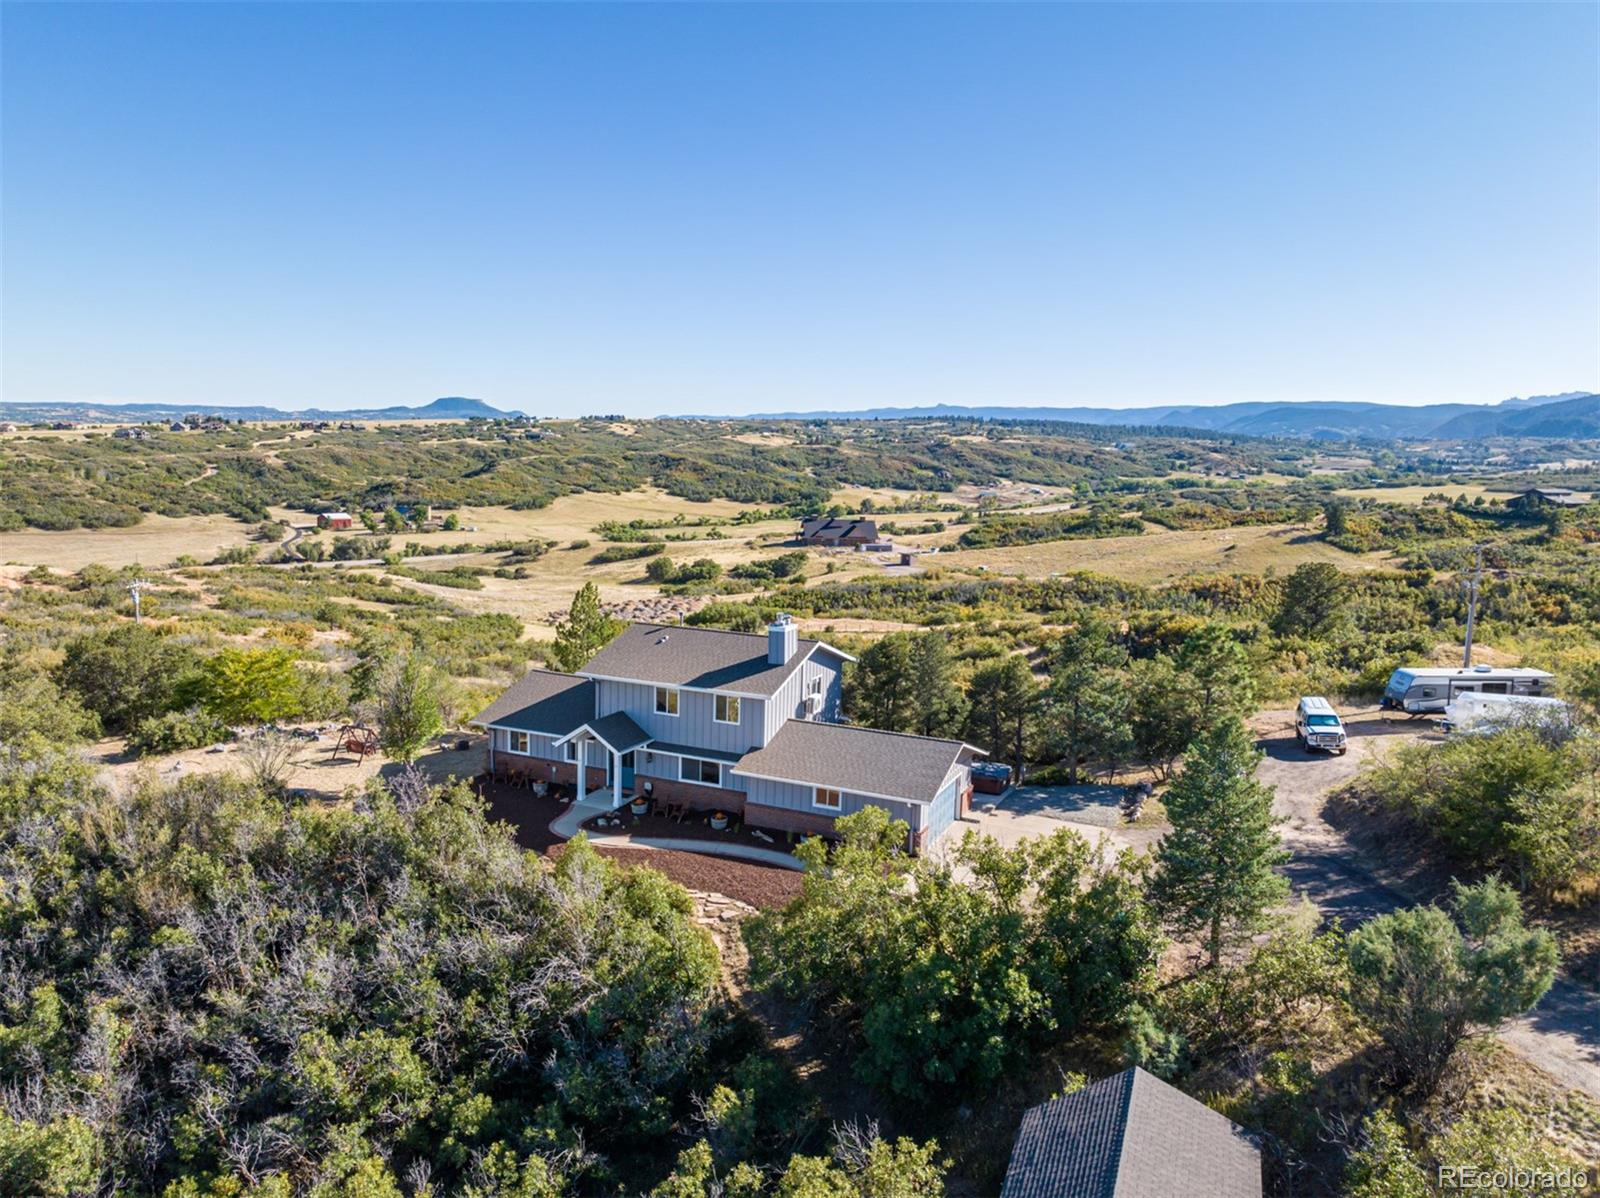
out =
column 175, row 731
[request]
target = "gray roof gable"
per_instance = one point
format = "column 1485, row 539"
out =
column 890, row 765
column 1130, row 1136
column 542, row 701
column 697, row 658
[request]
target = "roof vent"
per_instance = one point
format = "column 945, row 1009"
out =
column 1483, row 669
column 662, row 639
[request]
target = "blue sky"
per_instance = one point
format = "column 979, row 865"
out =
column 668, row 209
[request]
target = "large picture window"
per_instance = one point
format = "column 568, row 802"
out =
column 666, row 701
column 519, row 742
column 693, row 769
column 727, row 711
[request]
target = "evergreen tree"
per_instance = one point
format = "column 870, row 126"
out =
column 585, row 631
column 1217, row 673
column 1217, row 868
column 882, row 690
column 1004, row 699
column 1314, row 600
column 1088, row 701
column 936, row 691
column 408, row 706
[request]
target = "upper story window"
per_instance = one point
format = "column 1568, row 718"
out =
column 727, row 711
column 827, row 798
column 666, row 701
column 518, row 742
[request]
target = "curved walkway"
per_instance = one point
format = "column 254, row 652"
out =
column 570, row 822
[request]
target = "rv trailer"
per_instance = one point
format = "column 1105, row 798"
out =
column 1419, row 689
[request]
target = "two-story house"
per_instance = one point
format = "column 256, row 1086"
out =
column 727, row 721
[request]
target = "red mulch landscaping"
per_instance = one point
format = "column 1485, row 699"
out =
column 758, row 885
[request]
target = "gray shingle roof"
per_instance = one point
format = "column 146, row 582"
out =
column 542, row 701
column 703, row 658
column 890, row 764
column 1130, row 1136
column 618, row 731
column 661, row 746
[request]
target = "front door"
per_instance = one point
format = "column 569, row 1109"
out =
column 627, row 771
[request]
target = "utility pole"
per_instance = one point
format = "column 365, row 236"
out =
column 136, row 589
column 1471, row 586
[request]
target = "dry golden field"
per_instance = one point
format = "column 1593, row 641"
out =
column 155, row 541
column 1159, row 556
column 1415, row 495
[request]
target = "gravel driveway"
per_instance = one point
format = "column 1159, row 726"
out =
column 1561, row 1035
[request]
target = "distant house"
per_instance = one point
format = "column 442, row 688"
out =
column 8, row 427
column 1130, row 1136
column 126, row 433
column 834, row 531
column 741, row 723
column 338, row 521
column 1537, row 497
column 177, row 426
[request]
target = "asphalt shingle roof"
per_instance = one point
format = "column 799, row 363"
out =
column 703, row 658
column 864, row 760
column 619, row 731
column 542, row 701
column 1130, row 1136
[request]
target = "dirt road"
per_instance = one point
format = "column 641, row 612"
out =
column 1561, row 1035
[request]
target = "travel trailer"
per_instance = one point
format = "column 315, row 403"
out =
column 1418, row 689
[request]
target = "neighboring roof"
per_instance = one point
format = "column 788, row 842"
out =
column 1130, row 1136
column 888, row 765
column 542, row 701
column 616, row 731
column 661, row 746
column 699, row 658
column 1557, row 495
column 832, row 528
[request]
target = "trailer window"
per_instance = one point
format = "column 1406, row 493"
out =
column 1494, row 688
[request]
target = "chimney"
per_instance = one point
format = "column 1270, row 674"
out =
column 781, row 638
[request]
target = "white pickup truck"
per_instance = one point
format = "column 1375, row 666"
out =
column 1318, row 726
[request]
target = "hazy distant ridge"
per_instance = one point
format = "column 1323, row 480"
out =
column 453, row 407
column 1572, row 414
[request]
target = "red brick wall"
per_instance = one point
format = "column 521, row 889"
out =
column 699, row 798
column 782, row 819
column 545, row 770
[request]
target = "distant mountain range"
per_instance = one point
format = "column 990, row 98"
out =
column 1572, row 414
column 452, row 407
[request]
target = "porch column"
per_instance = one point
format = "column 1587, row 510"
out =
column 582, row 743
column 616, row 780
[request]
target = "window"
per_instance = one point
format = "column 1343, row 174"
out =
column 518, row 742
column 570, row 750
column 828, row 799
column 693, row 769
column 666, row 701
column 727, row 709
column 1494, row 688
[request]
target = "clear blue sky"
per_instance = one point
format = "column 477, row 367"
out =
column 598, row 208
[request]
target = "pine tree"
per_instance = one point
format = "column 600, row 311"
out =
column 1004, row 698
column 936, row 692
column 1089, row 697
column 882, row 687
column 585, row 631
column 1217, row 868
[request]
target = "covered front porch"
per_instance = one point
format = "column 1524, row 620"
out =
column 618, row 738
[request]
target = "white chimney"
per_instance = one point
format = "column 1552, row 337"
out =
column 781, row 640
